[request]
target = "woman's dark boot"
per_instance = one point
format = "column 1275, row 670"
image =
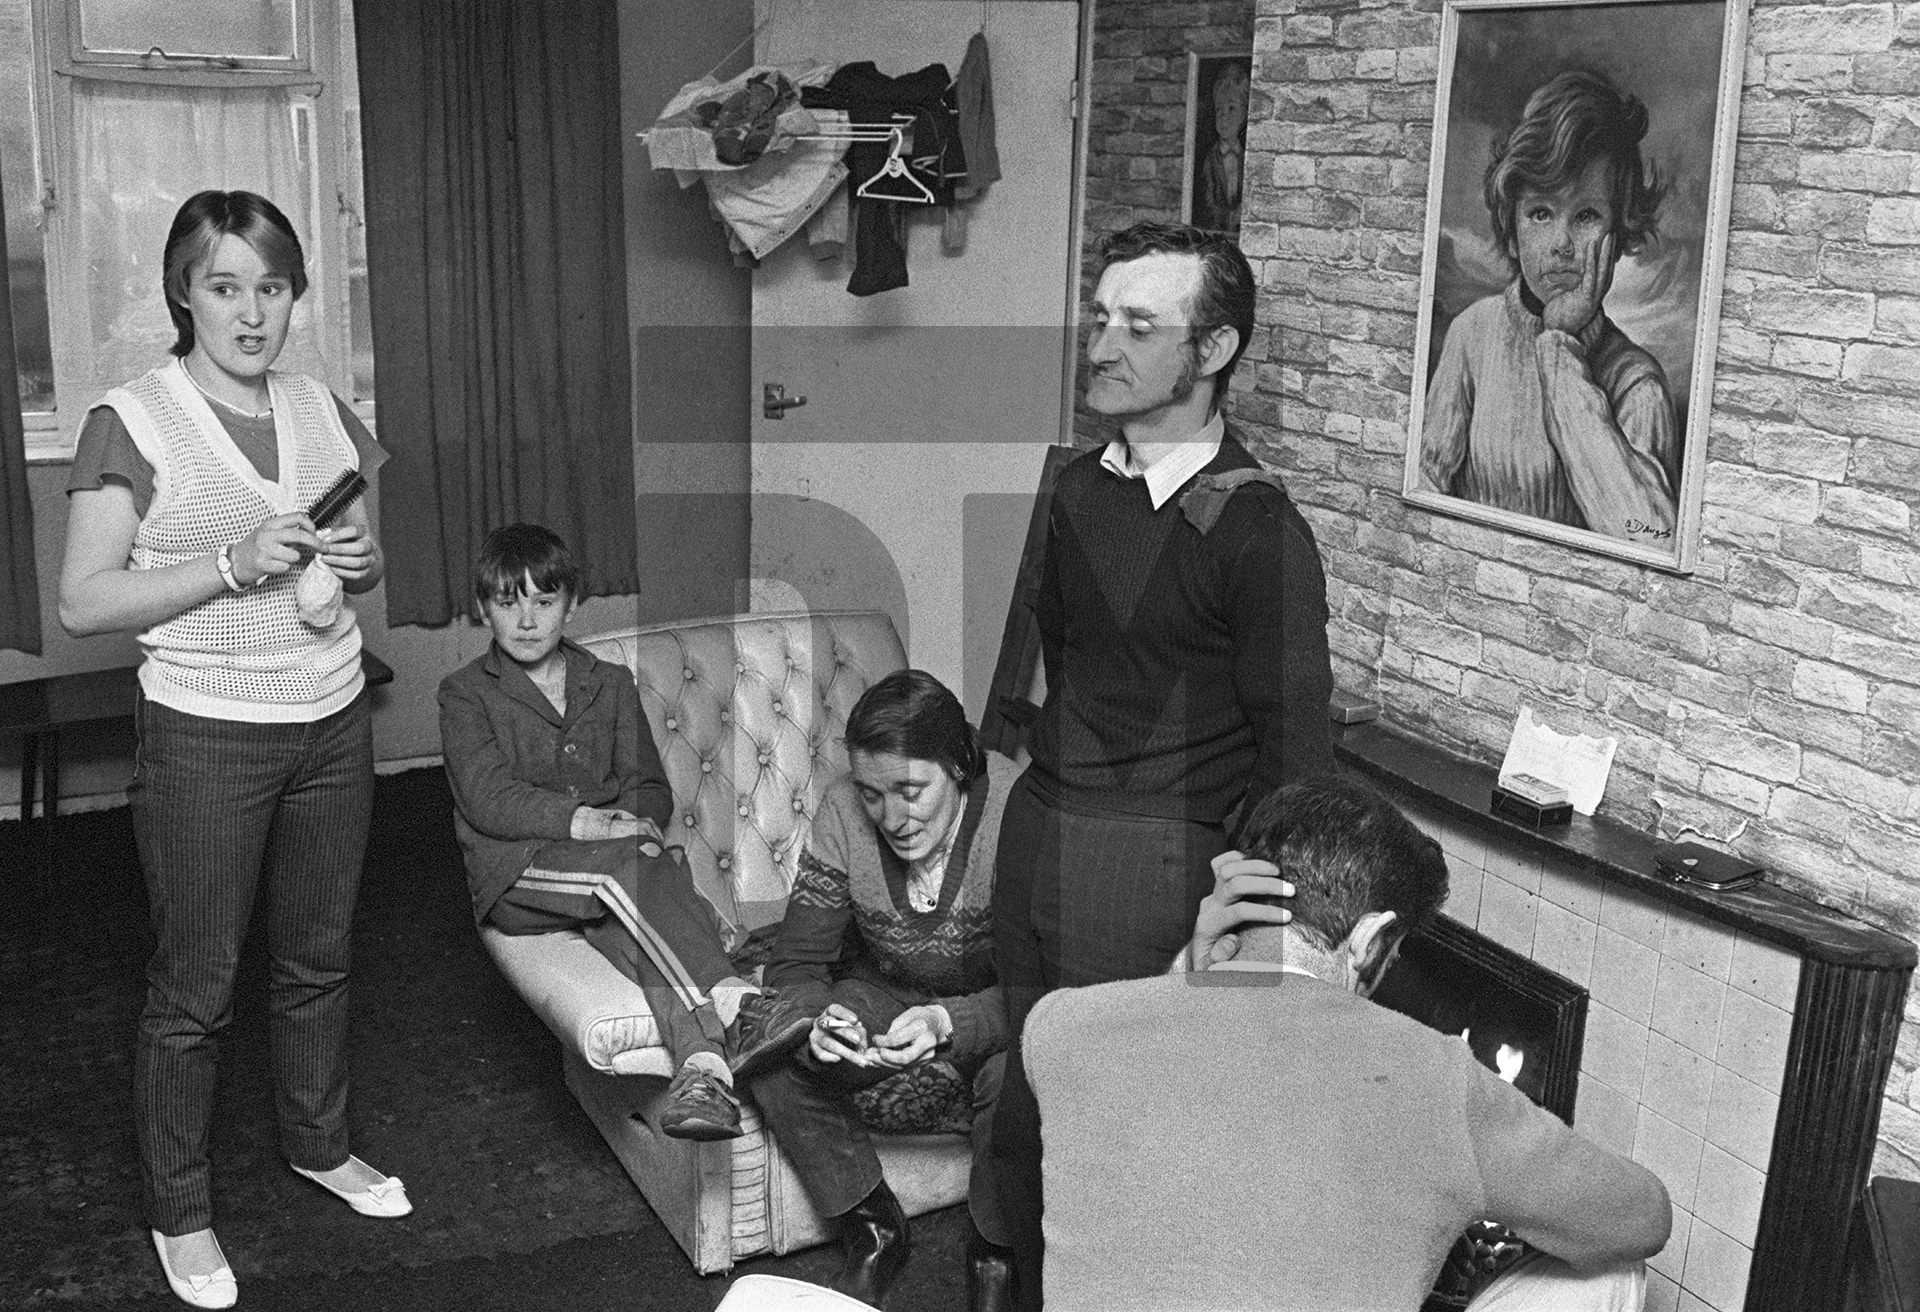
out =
column 876, row 1242
column 989, row 1275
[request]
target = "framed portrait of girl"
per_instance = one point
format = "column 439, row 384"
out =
column 1576, row 235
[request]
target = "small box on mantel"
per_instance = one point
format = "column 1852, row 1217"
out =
column 1351, row 708
column 1531, row 801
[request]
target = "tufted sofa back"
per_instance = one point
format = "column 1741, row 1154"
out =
column 748, row 712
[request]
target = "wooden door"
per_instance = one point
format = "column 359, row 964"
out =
column 907, row 478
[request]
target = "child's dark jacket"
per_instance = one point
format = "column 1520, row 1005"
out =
column 519, row 770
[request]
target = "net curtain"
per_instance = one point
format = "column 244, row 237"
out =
column 148, row 149
column 144, row 150
column 497, row 271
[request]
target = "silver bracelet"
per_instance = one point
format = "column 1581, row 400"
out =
column 223, row 561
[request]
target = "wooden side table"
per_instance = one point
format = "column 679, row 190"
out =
column 38, row 709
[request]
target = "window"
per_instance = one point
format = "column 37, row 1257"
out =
column 132, row 108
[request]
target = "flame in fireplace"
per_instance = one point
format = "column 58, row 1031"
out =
column 1508, row 1060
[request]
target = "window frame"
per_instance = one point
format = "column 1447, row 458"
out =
column 51, row 435
column 74, row 52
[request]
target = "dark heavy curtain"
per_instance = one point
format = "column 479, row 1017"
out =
column 19, row 580
column 497, row 267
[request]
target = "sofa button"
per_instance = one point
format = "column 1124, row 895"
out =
column 572, row 791
column 777, row 708
column 572, row 749
column 726, row 717
column 689, row 821
column 672, row 723
column 743, row 811
column 739, row 667
column 687, row 673
column 706, row 767
column 764, row 758
column 799, row 805
column 726, row 863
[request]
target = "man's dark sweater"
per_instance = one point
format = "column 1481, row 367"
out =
column 1184, row 668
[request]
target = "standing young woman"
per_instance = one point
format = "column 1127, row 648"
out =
column 253, row 772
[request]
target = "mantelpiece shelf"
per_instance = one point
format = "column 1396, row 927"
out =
column 1844, row 1024
column 1846, row 1016
column 1617, row 852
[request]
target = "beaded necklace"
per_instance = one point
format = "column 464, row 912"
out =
column 227, row 405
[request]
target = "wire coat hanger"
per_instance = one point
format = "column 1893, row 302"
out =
column 895, row 181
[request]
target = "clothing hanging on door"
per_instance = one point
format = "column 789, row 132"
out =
column 934, row 158
column 773, row 145
column 971, row 97
column 973, row 119
column 712, row 125
column 766, row 199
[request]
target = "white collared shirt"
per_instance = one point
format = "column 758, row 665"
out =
column 1181, row 462
column 1183, row 964
column 1261, row 967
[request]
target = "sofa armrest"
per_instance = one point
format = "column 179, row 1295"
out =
column 589, row 1005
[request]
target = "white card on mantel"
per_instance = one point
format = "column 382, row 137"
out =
column 1577, row 762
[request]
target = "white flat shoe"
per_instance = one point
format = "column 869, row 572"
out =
column 388, row 1198
column 217, row 1290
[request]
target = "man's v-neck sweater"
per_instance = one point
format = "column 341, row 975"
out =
column 1184, row 667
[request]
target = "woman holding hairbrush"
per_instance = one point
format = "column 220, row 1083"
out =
column 192, row 508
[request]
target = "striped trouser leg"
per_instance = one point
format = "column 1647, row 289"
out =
column 205, row 797
column 312, row 882
column 639, row 907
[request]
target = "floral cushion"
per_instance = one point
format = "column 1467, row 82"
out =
column 933, row 1098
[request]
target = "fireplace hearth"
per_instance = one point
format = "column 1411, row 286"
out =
column 1736, row 1043
column 1520, row 1019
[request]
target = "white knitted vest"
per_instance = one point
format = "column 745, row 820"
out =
column 241, row 655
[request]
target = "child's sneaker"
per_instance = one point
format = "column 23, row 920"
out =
column 700, row 1106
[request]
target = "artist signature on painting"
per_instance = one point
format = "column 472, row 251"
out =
column 1640, row 528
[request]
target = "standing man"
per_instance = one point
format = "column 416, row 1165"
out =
column 1183, row 621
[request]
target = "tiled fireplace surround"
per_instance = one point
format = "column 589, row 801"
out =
column 1736, row 1044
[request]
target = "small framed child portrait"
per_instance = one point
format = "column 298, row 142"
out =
column 1569, row 294
column 1218, row 86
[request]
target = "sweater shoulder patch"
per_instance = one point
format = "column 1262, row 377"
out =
column 1203, row 503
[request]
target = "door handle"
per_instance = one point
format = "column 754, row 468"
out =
column 774, row 401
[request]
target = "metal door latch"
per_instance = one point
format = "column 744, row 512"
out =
column 774, row 401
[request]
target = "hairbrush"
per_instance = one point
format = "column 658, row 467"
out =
column 345, row 491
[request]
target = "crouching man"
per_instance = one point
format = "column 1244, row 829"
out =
column 1256, row 1134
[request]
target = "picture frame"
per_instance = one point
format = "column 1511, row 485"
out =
column 1214, row 160
column 1594, row 435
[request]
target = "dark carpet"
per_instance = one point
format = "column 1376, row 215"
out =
column 518, row 1202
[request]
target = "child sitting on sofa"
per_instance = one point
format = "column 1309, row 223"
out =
column 559, row 802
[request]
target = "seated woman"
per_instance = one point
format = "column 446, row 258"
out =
column 887, row 945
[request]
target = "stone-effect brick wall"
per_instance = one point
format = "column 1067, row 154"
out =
column 1770, row 701
column 1136, row 134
